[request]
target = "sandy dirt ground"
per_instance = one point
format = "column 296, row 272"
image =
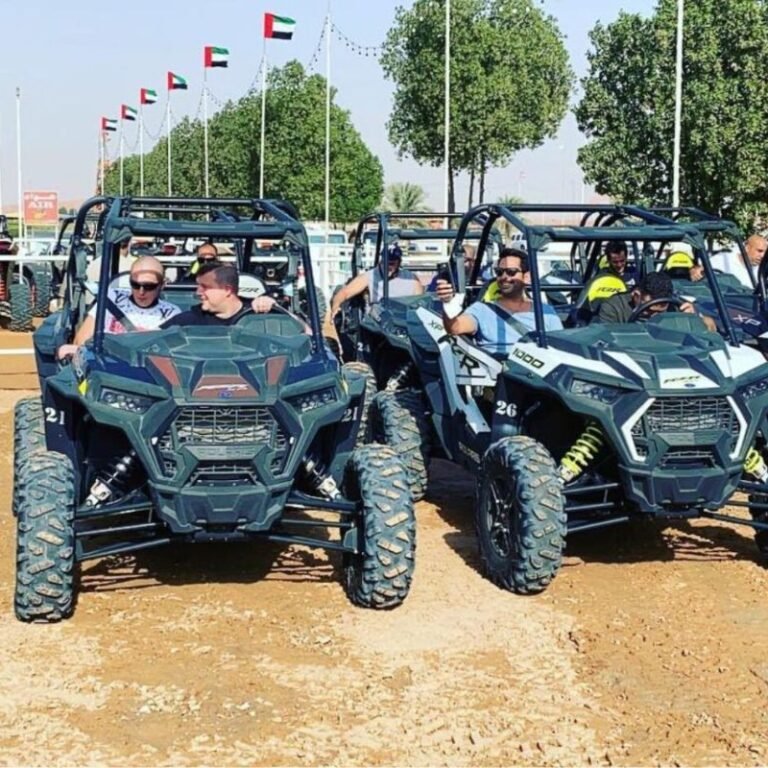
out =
column 649, row 648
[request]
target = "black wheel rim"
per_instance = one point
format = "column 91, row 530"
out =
column 499, row 517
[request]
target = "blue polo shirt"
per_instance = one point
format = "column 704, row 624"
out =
column 496, row 335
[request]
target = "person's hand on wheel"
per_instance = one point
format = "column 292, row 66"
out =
column 262, row 304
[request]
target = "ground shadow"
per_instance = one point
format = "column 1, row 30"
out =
column 217, row 562
column 640, row 540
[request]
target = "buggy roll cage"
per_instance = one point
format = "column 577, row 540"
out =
column 651, row 228
column 269, row 219
column 386, row 235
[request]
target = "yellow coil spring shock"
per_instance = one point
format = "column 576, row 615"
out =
column 755, row 465
column 581, row 453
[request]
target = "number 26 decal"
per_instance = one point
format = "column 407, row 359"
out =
column 503, row 408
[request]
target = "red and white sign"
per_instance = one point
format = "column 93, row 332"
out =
column 41, row 208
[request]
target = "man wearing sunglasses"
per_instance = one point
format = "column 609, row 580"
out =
column 138, row 308
column 498, row 325
column 206, row 254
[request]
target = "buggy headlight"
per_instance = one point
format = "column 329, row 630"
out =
column 755, row 389
column 604, row 393
column 125, row 401
column 311, row 400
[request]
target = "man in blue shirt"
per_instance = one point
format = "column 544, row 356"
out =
column 499, row 324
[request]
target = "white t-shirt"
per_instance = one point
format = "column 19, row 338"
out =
column 142, row 318
column 732, row 263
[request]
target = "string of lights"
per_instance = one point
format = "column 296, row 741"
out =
column 360, row 50
column 315, row 58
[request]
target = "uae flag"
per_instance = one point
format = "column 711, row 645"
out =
column 176, row 82
column 216, row 57
column 108, row 124
column 128, row 113
column 147, row 96
column 280, row 27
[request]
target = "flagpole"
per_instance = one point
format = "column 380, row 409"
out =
column 168, row 124
column 263, row 115
column 19, row 192
column 205, row 127
column 141, row 148
column 1, row 168
column 122, row 123
column 327, row 121
column 102, row 139
column 678, row 107
column 447, row 126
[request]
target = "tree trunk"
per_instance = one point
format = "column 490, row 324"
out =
column 481, row 195
column 451, row 191
column 471, row 187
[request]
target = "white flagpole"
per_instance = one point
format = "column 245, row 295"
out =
column 447, row 126
column 122, row 123
column 168, row 124
column 141, row 148
column 19, row 192
column 263, row 116
column 102, row 139
column 1, row 170
column 678, row 107
column 327, row 121
column 205, row 128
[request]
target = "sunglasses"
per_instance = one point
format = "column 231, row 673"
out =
column 508, row 271
column 137, row 286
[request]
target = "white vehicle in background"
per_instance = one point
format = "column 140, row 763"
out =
column 331, row 255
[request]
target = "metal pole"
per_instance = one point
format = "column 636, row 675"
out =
column 447, row 126
column 19, row 192
column 205, row 128
column 678, row 107
column 327, row 122
column 168, row 124
column 102, row 138
column 1, row 168
column 122, row 177
column 141, row 148
column 263, row 116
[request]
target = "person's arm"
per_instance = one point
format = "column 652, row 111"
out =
column 463, row 323
column 353, row 288
column 84, row 333
column 263, row 304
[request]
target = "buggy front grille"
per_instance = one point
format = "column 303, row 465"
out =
column 211, row 425
column 688, row 414
column 676, row 416
column 225, row 426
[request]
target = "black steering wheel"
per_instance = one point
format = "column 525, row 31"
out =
column 637, row 312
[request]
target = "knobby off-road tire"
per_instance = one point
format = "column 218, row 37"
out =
column 46, row 572
column 41, row 298
column 28, row 435
column 322, row 304
column 21, row 307
column 761, row 516
column 399, row 420
column 364, row 370
column 380, row 575
column 519, row 515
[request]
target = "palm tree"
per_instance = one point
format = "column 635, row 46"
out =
column 404, row 196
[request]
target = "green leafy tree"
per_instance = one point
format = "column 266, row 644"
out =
column 627, row 108
column 404, row 196
column 510, row 82
column 294, row 160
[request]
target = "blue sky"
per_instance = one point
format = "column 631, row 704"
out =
column 80, row 60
